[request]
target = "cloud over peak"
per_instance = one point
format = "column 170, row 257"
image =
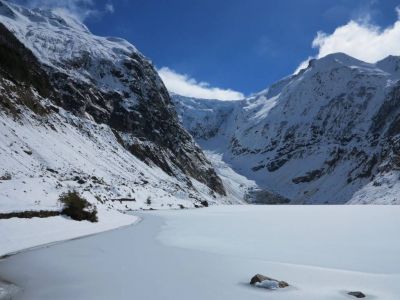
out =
column 360, row 39
column 80, row 9
column 184, row 85
column 363, row 41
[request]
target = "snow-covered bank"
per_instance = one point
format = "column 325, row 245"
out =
column 354, row 238
column 236, row 242
column 18, row 234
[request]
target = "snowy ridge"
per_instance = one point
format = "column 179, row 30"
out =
column 68, row 153
column 87, row 113
column 59, row 41
column 45, row 161
column 98, row 84
column 326, row 135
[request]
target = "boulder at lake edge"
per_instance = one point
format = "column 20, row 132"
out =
column 357, row 294
column 260, row 278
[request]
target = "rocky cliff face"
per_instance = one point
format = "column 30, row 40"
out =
column 50, row 65
column 329, row 134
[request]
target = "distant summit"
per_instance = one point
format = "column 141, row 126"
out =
column 329, row 134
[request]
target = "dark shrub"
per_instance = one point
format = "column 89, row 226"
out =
column 77, row 208
column 28, row 214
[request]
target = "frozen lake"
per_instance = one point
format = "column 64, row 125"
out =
column 322, row 251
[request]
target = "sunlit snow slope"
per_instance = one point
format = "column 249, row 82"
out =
column 90, row 113
column 329, row 134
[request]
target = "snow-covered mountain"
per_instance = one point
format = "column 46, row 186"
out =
column 90, row 113
column 79, row 111
column 329, row 134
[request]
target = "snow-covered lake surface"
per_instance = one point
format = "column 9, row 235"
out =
column 322, row 251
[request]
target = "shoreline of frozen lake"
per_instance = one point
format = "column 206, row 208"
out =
column 212, row 254
column 19, row 235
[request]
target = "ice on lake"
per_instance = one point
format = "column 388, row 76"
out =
column 322, row 251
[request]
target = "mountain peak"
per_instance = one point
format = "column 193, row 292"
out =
column 5, row 10
column 47, row 17
column 390, row 64
column 338, row 59
column 327, row 128
column 101, row 82
column 64, row 43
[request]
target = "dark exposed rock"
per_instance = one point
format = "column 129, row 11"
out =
column 81, row 181
column 52, row 170
column 6, row 176
column 368, row 167
column 18, row 64
column 204, row 203
column 277, row 163
column 388, row 112
column 124, row 200
column 357, row 294
column 29, row 152
column 260, row 278
column 8, row 289
column 309, row 176
column 258, row 196
column 336, row 155
column 153, row 121
column 257, row 278
column 257, row 168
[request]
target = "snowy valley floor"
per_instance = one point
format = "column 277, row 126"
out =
column 322, row 251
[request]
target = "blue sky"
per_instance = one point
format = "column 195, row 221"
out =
column 233, row 44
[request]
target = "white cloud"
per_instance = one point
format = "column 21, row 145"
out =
column 183, row 85
column 80, row 9
column 109, row 8
column 303, row 64
column 361, row 40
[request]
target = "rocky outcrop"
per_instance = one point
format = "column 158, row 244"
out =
column 258, row 196
column 357, row 294
column 20, row 74
column 8, row 290
column 48, row 62
column 259, row 278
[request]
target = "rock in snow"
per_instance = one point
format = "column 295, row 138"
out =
column 357, row 294
column 266, row 282
column 7, row 290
